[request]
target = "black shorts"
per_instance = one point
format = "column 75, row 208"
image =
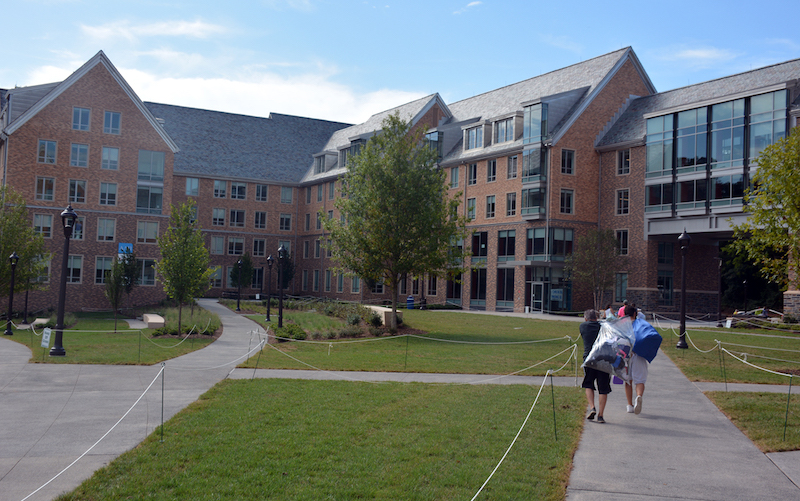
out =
column 603, row 380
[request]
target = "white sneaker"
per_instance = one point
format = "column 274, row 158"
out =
column 637, row 404
column 630, row 409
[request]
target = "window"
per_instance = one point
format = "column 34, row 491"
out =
column 44, row 276
column 217, row 245
column 317, row 248
column 658, row 197
column 258, row 279
column 319, row 165
column 472, row 174
column 47, row 152
column 327, row 280
column 218, row 217
column 691, row 194
column 473, row 138
column 235, row 246
column 307, row 222
column 355, row 284
column 623, row 201
column 304, row 280
column 666, row 252
column 286, row 194
column 110, row 158
column 238, row 191
column 491, row 171
column 81, row 118
column 306, row 247
column 331, row 190
column 659, row 146
column 261, row 220
column 534, row 165
column 340, row 283
column 192, row 186
column 320, row 190
column 490, row 205
column 505, row 288
column 504, row 130
column 43, row 224
column 534, row 123
column 623, row 162
column 620, row 287
column 319, row 221
column 148, row 199
column 533, row 201
column 432, row 285
column 511, row 165
column 77, row 231
column 111, row 122
column 454, row 177
column 101, row 268
column 377, row 288
column 727, row 134
column 45, row 186
column 567, row 202
column 470, row 208
column 148, row 276
column 237, row 218
column 220, row 189
column 435, row 142
column 286, row 222
column 480, row 243
column 106, row 229
column 568, row 161
column 308, row 194
column 315, row 281
column 415, row 287
column 262, row 192
column 79, row 155
column 506, row 245
column 74, row 264
column 259, row 247
column 622, row 242
column 767, row 120
column 511, row 204
column 146, row 232
column 478, row 287
column 77, row 191
column 692, row 140
column 216, row 278
column 108, row 193
column 560, row 243
column 727, row 190
column 151, row 165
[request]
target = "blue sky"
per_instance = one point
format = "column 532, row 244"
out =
column 346, row 60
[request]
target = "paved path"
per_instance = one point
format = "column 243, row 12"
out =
column 680, row 447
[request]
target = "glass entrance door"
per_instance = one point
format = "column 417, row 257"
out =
column 537, row 297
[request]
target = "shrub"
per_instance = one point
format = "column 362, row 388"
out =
column 353, row 319
column 374, row 319
column 350, row 331
column 331, row 335
column 376, row 331
column 69, row 320
column 788, row 319
column 291, row 331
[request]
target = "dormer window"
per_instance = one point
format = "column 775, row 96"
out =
column 434, row 140
column 343, row 154
column 535, row 123
column 504, row 130
column 319, row 164
column 473, row 138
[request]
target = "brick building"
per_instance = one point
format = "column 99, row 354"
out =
column 537, row 163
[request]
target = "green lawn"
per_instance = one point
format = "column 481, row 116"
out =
column 92, row 340
column 459, row 343
column 761, row 416
column 312, row 440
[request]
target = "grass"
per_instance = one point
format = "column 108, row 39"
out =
column 413, row 354
column 759, row 346
column 93, row 341
column 311, row 440
column 761, row 416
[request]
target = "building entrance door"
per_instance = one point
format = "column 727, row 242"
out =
column 537, row 297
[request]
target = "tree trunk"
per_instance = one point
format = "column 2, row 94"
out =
column 180, row 311
column 393, row 317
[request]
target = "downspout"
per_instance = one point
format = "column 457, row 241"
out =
column 546, row 152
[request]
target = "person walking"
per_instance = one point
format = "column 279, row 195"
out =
column 648, row 340
column 589, row 331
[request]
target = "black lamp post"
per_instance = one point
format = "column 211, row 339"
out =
column 281, row 257
column 68, row 218
column 270, row 260
column 13, row 259
column 684, row 239
column 239, row 284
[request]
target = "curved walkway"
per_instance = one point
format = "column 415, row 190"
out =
column 680, row 447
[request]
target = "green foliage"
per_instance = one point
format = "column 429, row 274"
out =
column 374, row 319
column 247, row 272
column 353, row 319
column 17, row 235
column 771, row 235
column 398, row 216
column 291, row 331
column 594, row 263
column 351, row 331
column 69, row 321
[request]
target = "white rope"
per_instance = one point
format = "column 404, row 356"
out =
column 100, row 439
column 488, row 343
column 745, row 355
column 756, row 366
column 698, row 349
column 759, row 347
column 260, row 344
column 321, row 370
column 574, row 347
column 544, row 380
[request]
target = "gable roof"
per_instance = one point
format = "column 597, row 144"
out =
column 630, row 128
column 226, row 145
column 35, row 98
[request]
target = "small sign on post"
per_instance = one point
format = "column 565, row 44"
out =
column 46, row 338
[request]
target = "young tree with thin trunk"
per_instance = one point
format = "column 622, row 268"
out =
column 17, row 234
column 594, row 262
column 115, row 286
column 183, row 267
column 398, row 217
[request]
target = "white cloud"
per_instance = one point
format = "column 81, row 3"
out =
column 697, row 57
column 468, row 6
column 561, row 42
column 132, row 32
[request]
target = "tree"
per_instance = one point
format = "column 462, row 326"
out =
column 247, row 272
column 17, row 234
column 594, row 263
column 398, row 217
column 115, row 286
column 183, row 267
column 770, row 236
column 286, row 271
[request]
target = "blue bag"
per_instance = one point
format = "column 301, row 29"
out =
column 648, row 340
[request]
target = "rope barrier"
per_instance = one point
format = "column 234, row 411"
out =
column 100, row 439
column 235, row 361
column 756, row 366
column 574, row 348
column 544, row 380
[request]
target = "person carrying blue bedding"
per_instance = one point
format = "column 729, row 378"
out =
column 589, row 331
column 648, row 340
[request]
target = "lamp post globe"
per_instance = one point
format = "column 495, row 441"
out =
column 13, row 259
column 68, row 218
column 684, row 240
column 270, row 261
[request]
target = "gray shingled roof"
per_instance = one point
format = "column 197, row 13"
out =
column 274, row 149
column 631, row 126
column 23, row 98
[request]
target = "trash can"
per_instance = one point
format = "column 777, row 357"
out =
column 410, row 302
column 423, row 303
